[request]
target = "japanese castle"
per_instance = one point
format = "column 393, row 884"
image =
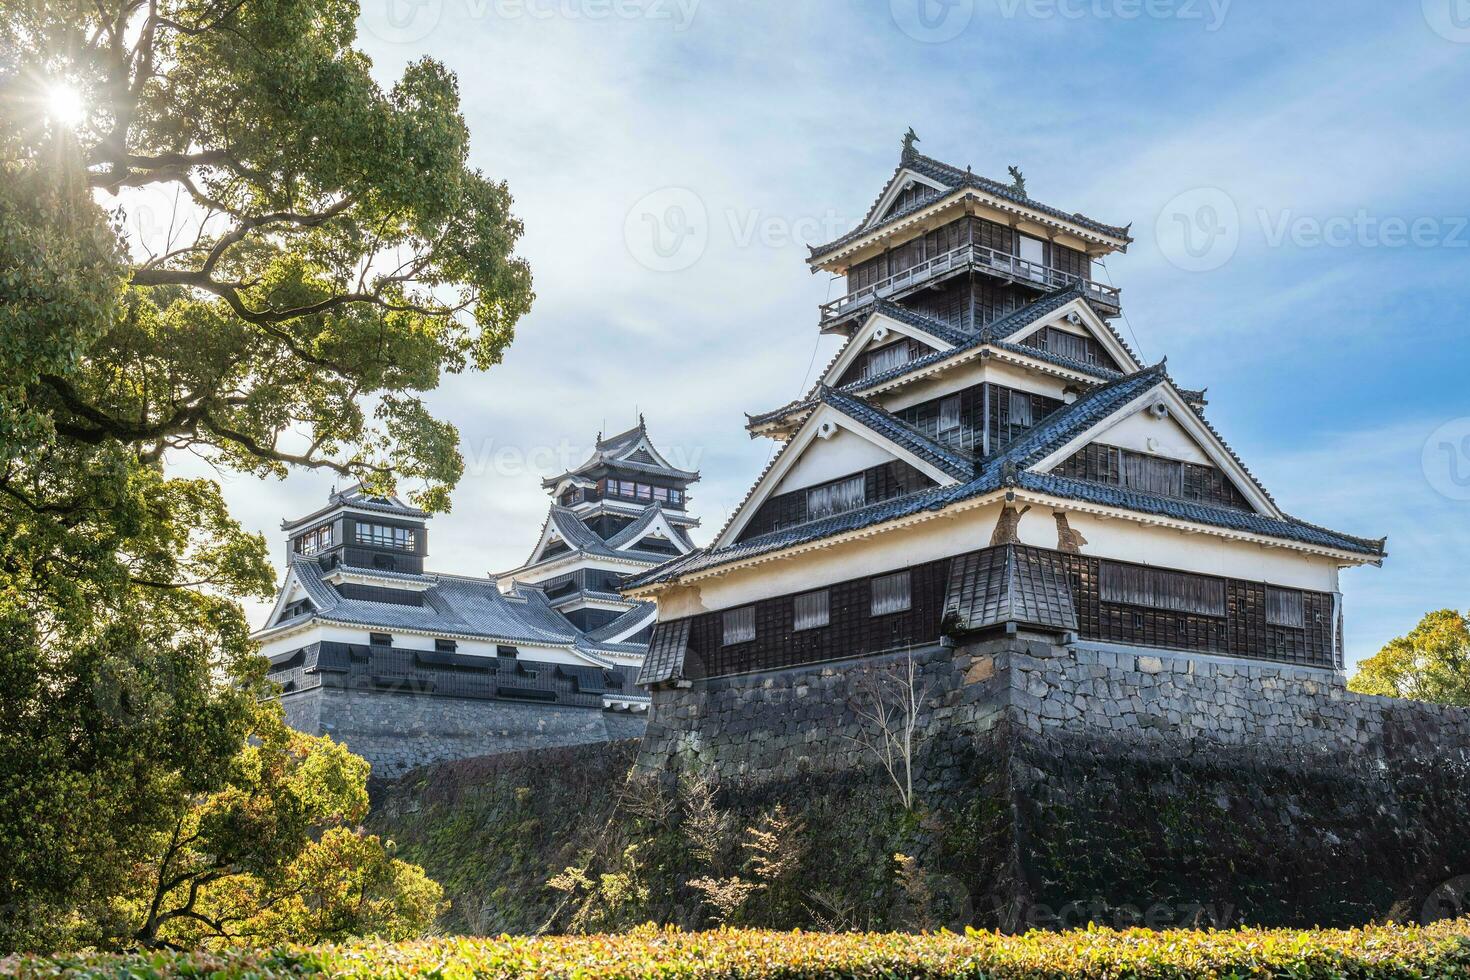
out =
column 986, row 453
column 408, row 665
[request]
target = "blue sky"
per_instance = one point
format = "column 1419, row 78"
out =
column 1329, row 139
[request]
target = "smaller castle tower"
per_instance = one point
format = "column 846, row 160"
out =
column 621, row 512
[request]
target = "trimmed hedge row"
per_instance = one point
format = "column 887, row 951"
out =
column 1437, row 952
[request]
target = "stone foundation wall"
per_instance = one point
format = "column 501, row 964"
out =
column 397, row 731
column 777, row 723
column 1100, row 779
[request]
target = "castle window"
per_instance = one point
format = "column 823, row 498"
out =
column 380, row 639
column 1284, row 608
column 891, row 594
column 1153, row 475
column 314, row 541
column 886, row 359
column 384, row 536
column 739, row 625
column 1156, row 588
column 510, row 652
column 810, row 611
column 836, row 498
column 949, row 413
column 445, row 646
column 1021, row 409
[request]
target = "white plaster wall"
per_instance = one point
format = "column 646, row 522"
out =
column 842, row 455
column 402, row 640
column 944, row 536
column 1144, row 433
column 971, row 374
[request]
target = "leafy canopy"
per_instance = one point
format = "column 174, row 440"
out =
column 1431, row 663
column 330, row 256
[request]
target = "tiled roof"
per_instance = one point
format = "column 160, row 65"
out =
column 1008, row 468
column 354, row 496
column 623, row 622
column 608, row 450
column 928, row 324
column 576, row 533
column 952, row 178
column 956, row 464
column 454, row 605
column 991, row 334
column 636, row 530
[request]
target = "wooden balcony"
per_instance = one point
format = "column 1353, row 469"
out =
column 965, row 258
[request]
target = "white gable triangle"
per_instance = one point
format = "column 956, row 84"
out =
column 826, row 423
column 1077, row 316
column 1160, row 414
column 658, row 526
column 902, row 181
column 878, row 330
column 292, row 592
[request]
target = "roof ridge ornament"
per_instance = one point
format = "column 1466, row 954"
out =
column 909, row 139
column 1018, row 180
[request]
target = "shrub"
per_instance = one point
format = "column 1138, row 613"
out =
column 1437, row 952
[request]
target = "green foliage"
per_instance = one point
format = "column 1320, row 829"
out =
column 335, row 256
column 275, row 855
column 1375, row 953
column 1432, row 663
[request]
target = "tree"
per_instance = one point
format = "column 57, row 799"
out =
column 887, row 706
column 1432, row 663
column 333, row 256
column 275, row 855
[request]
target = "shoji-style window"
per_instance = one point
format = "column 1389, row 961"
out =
column 891, row 594
column 810, row 610
column 1284, row 607
column 739, row 625
column 949, row 413
column 886, row 359
column 1157, row 588
column 836, row 498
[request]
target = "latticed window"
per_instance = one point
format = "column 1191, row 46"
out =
column 1021, row 409
column 384, row 536
column 891, row 594
column 811, row 611
column 1157, row 588
column 949, row 413
column 1153, row 475
column 1284, row 607
column 886, row 359
column 836, row 498
column 315, row 540
column 739, row 625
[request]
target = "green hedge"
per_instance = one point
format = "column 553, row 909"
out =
column 1435, row 952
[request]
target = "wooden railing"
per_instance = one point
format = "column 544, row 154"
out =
column 978, row 257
